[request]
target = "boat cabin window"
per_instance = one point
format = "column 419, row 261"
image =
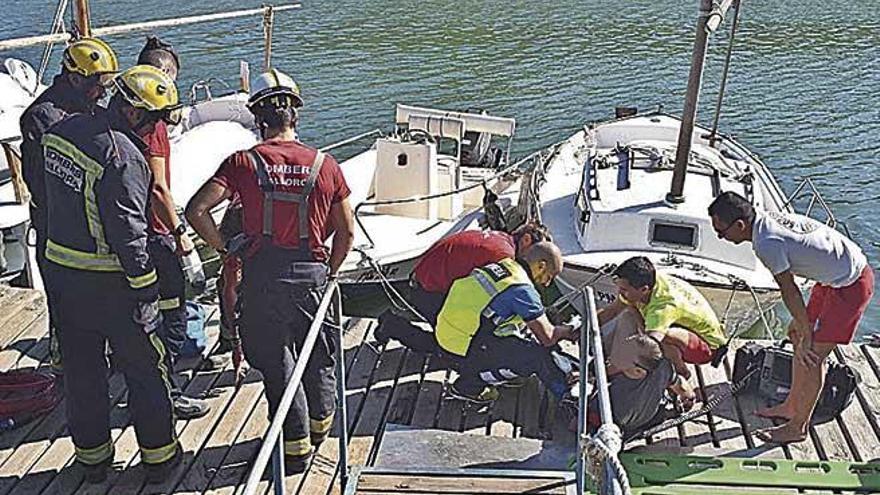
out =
column 674, row 235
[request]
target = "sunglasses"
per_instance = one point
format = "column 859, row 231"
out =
column 723, row 232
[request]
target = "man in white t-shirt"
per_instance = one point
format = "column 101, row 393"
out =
column 792, row 245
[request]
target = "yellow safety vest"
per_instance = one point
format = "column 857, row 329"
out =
column 469, row 299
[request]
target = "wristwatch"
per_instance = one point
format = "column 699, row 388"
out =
column 180, row 229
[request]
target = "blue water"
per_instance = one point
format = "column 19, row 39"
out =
column 804, row 88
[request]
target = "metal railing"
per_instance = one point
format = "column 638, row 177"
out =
column 816, row 198
column 273, row 443
column 608, row 439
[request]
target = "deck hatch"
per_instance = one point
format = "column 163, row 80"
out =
column 674, row 234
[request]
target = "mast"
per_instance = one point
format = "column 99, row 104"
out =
column 710, row 18
column 83, row 18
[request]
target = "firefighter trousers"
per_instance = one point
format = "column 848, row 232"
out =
column 275, row 319
column 93, row 308
column 46, row 274
column 172, row 293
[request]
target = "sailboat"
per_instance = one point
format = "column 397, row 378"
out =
column 641, row 184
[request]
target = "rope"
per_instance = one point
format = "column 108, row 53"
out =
column 57, row 27
column 599, row 454
column 708, row 407
column 390, row 292
column 566, row 300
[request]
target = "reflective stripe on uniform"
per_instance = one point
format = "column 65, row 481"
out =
column 485, row 283
column 303, row 209
column 159, row 454
column 299, row 447
column 320, row 426
column 141, row 281
column 469, row 299
column 162, row 452
column 81, row 260
column 93, row 172
column 166, row 304
column 261, row 169
column 94, row 455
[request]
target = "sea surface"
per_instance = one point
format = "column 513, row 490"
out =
column 803, row 91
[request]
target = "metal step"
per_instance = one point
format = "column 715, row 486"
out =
column 405, row 447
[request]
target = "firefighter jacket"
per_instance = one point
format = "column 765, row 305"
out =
column 53, row 105
column 98, row 185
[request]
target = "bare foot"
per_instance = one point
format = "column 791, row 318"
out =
column 782, row 411
column 786, row 433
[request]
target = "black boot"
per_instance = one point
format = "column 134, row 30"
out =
column 158, row 473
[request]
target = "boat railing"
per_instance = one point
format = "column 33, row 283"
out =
column 808, row 188
column 273, row 443
column 353, row 139
column 597, row 452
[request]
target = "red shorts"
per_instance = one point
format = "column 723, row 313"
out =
column 697, row 350
column 835, row 312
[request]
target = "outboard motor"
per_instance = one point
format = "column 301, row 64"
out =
column 477, row 149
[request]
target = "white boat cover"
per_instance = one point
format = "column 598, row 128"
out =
column 499, row 126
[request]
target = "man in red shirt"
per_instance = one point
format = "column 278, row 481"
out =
column 167, row 240
column 449, row 259
column 292, row 197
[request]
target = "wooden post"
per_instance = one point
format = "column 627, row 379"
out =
column 268, row 21
column 83, row 23
column 22, row 195
column 695, row 79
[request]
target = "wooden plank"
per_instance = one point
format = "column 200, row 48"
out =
column 430, row 396
column 865, row 407
column 441, row 485
column 369, row 421
column 229, row 476
column 408, row 389
column 502, row 416
column 211, row 456
column 449, row 415
column 697, row 433
column 854, row 430
column 30, row 348
column 222, row 423
column 728, row 434
column 719, row 432
column 322, row 472
column 529, row 406
column 21, row 309
column 131, row 479
column 60, row 455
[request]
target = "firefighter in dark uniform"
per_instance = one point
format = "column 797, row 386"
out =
column 88, row 65
column 98, row 185
column 292, row 197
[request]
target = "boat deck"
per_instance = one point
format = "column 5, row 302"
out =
column 391, row 391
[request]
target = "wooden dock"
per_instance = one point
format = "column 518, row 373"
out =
column 389, row 388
